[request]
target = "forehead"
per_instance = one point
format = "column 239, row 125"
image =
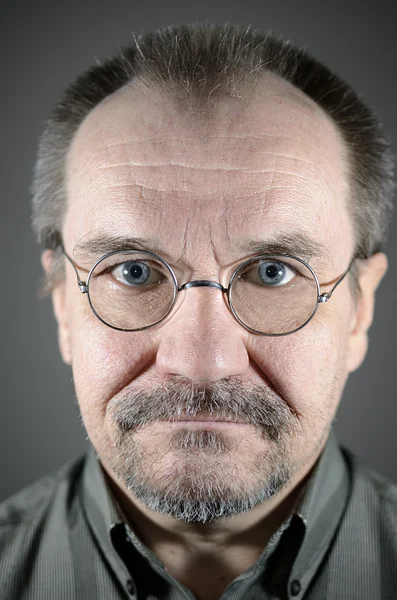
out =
column 249, row 168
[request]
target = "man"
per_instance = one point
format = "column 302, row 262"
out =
column 212, row 204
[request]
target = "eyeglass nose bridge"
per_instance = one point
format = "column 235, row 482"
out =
column 203, row 283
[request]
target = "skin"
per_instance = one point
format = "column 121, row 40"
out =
column 202, row 188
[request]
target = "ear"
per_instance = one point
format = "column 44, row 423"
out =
column 371, row 272
column 58, row 303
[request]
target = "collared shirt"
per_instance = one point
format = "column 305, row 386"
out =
column 62, row 539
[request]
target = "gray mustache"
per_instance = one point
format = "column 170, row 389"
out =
column 226, row 399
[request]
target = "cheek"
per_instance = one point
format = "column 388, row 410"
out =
column 105, row 360
column 308, row 368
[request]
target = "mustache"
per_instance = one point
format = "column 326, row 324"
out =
column 226, row 399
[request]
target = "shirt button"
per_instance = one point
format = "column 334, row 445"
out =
column 295, row 587
column 130, row 585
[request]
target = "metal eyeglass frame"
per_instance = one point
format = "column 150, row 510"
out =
column 321, row 297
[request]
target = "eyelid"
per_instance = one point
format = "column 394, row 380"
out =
column 252, row 269
column 186, row 274
column 129, row 257
column 285, row 260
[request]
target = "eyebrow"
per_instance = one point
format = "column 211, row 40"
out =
column 295, row 243
column 103, row 243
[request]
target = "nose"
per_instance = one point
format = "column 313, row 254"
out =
column 201, row 340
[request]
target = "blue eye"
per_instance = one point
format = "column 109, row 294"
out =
column 134, row 273
column 274, row 273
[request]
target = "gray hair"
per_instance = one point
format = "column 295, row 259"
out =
column 199, row 60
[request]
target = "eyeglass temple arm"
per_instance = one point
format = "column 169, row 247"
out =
column 82, row 284
column 325, row 296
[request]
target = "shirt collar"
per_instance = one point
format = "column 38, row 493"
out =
column 321, row 509
column 315, row 518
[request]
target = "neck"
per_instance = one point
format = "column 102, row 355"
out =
column 226, row 547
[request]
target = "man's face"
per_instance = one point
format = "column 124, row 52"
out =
column 201, row 190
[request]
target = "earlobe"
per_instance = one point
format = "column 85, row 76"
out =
column 370, row 275
column 58, row 303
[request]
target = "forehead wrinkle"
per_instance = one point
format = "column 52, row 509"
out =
column 305, row 140
column 150, row 164
column 273, row 172
column 173, row 164
column 294, row 157
column 227, row 229
column 196, row 188
column 203, row 137
column 161, row 190
column 141, row 165
column 185, row 240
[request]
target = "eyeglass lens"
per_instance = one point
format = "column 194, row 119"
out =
column 274, row 295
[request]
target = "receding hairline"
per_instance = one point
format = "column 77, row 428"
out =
column 142, row 94
column 195, row 54
column 173, row 94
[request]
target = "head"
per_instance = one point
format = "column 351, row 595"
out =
column 205, row 145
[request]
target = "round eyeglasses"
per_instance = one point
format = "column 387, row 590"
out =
column 271, row 295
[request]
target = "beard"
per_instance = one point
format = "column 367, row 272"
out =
column 201, row 474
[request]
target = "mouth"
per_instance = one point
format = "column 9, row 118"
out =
column 205, row 420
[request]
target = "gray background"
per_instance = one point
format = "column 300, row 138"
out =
column 43, row 45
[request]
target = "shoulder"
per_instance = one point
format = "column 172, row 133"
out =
column 34, row 526
column 369, row 481
column 28, row 504
column 373, row 501
column 362, row 558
